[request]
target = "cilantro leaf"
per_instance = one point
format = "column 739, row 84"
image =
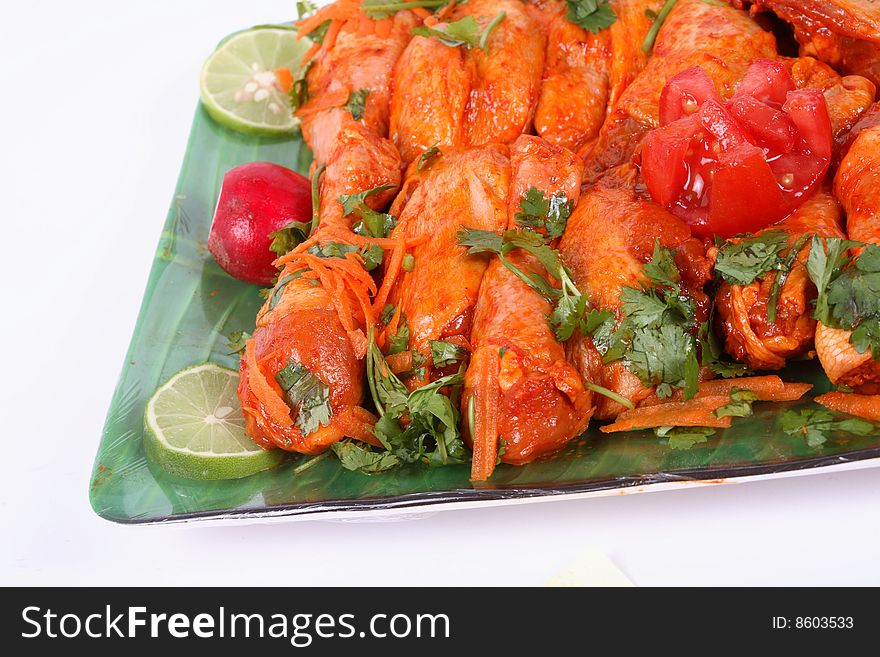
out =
column 751, row 258
column 683, row 438
column 399, row 342
column 540, row 213
column 361, row 458
column 816, row 425
column 592, row 15
column 849, row 290
column 371, row 255
column 372, row 223
column 445, row 353
column 299, row 92
column 463, row 32
column 236, row 342
column 740, row 404
column 712, row 355
column 379, row 9
column 305, row 391
column 430, row 432
column 278, row 290
column 427, row 157
column 357, row 103
column 288, row 238
column 662, row 270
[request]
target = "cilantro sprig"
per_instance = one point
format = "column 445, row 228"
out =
column 371, row 223
column 379, row 9
column 538, row 212
column 357, row 103
column 463, row 32
column 817, row 425
column 413, row 427
column 570, row 304
column 849, row 290
column 371, row 255
column 592, row 15
column 307, row 393
column 751, row 258
column 656, row 339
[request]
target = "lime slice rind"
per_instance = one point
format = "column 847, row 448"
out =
column 194, row 427
column 237, row 84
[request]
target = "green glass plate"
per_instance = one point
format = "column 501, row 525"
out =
column 191, row 305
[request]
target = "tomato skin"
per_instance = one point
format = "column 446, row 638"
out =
column 667, row 152
column 744, row 196
column 768, row 81
column 808, row 111
column 741, row 165
column 767, row 125
column 686, row 91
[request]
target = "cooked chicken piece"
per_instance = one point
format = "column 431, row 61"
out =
column 519, row 383
column 357, row 154
column 848, row 55
column 857, row 186
column 610, row 236
column 750, row 337
column 859, row 19
column 462, row 188
column 454, row 97
column 722, row 40
column 585, row 73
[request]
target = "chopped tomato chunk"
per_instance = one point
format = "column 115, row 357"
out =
column 739, row 166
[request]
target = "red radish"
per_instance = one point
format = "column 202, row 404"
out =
column 256, row 199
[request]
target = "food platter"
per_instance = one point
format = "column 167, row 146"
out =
column 191, row 305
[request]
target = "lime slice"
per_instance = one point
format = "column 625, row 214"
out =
column 238, row 86
column 195, row 428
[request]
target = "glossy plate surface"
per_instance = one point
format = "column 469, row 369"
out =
column 191, row 305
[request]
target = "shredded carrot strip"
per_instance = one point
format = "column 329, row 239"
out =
column 421, row 12
column 332, row 33
column 864, row 406
column 357, row 422
column 698, row 412
column 311, row 52
column 401, row 362
column 284, row 78
column 327, row 101
column 391, row 273
column 275, row 407
column 485, row 400
column 430, row 21
column 445, row 11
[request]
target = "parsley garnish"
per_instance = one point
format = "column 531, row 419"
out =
column 372, row 223
column 427, row 157
column 306, row 8
column 684, row 438
column 592, row 15
column 751, row 258
column 463, row 32
column 815, row 426
column 849, row 290
column 236, row 342
column 305, row 391
column 538, row 212
column 445, row 353
column 357, row 103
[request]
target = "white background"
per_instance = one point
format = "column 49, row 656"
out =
column 96, row 100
